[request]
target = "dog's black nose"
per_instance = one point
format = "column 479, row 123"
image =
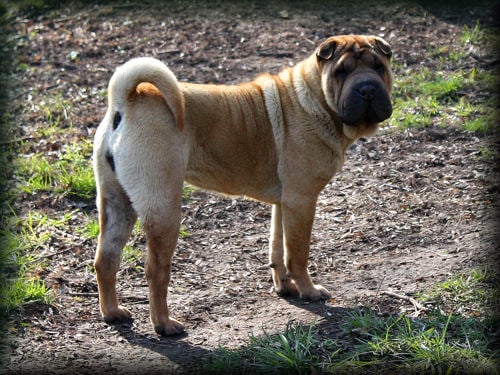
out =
column 367, row 102
column 367, row 91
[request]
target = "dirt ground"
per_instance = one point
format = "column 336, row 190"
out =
column 408, row 209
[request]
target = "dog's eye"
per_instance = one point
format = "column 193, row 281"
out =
column 378, row 66
column 340, row 72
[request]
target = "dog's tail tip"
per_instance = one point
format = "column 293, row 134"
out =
column 128, row 76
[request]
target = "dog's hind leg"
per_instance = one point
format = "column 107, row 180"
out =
column 150, row 156
column 159, row 208
column 162, row 231
column 116, row 220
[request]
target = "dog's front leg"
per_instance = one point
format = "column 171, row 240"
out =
column 283, row 285
column 297, row 213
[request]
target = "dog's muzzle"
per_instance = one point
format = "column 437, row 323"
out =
column 367, row 102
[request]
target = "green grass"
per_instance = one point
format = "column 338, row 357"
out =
column 474, row 35
column 91, row 228
column 447, row 95
column 22, row 286
column 132, row 255
column 23, row 238
column 67, row 173
column 477, row 292
column 62, row 168
column 452, row 338
column 290, row 352
column 56, row 114
column 438, row 343
column 24, row 291
column 35, row 228
column 428, row 98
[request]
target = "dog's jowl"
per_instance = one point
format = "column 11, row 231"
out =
column 278, row 139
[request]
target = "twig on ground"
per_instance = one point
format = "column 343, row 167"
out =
column 50, row 256
column 84, row 294
column 417, row 305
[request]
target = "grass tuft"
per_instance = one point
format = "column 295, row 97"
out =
column 26, row 291
column 290, row 352
column 69, row 173
column 21, row 286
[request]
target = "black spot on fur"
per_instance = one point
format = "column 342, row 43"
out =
column 116, row 120
column 110, row 160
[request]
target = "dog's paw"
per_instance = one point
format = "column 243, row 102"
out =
column 316, row 293
column 171, row 328
column 287, row 289
column 120, row 314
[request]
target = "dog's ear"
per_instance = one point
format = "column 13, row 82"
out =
column 382, row 46
column 326, row 49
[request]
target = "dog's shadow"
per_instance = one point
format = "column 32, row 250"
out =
column 175, row 349
column 329, row 317
column 190, row 357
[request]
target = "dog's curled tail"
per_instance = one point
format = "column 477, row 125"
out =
column 127, row 77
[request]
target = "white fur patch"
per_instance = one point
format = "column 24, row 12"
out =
column 326, row 90
column 273, row 106
column 306, row 97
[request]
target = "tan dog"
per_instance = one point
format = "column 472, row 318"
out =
column 278, row 139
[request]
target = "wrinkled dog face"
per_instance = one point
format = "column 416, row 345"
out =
column 356, row 79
